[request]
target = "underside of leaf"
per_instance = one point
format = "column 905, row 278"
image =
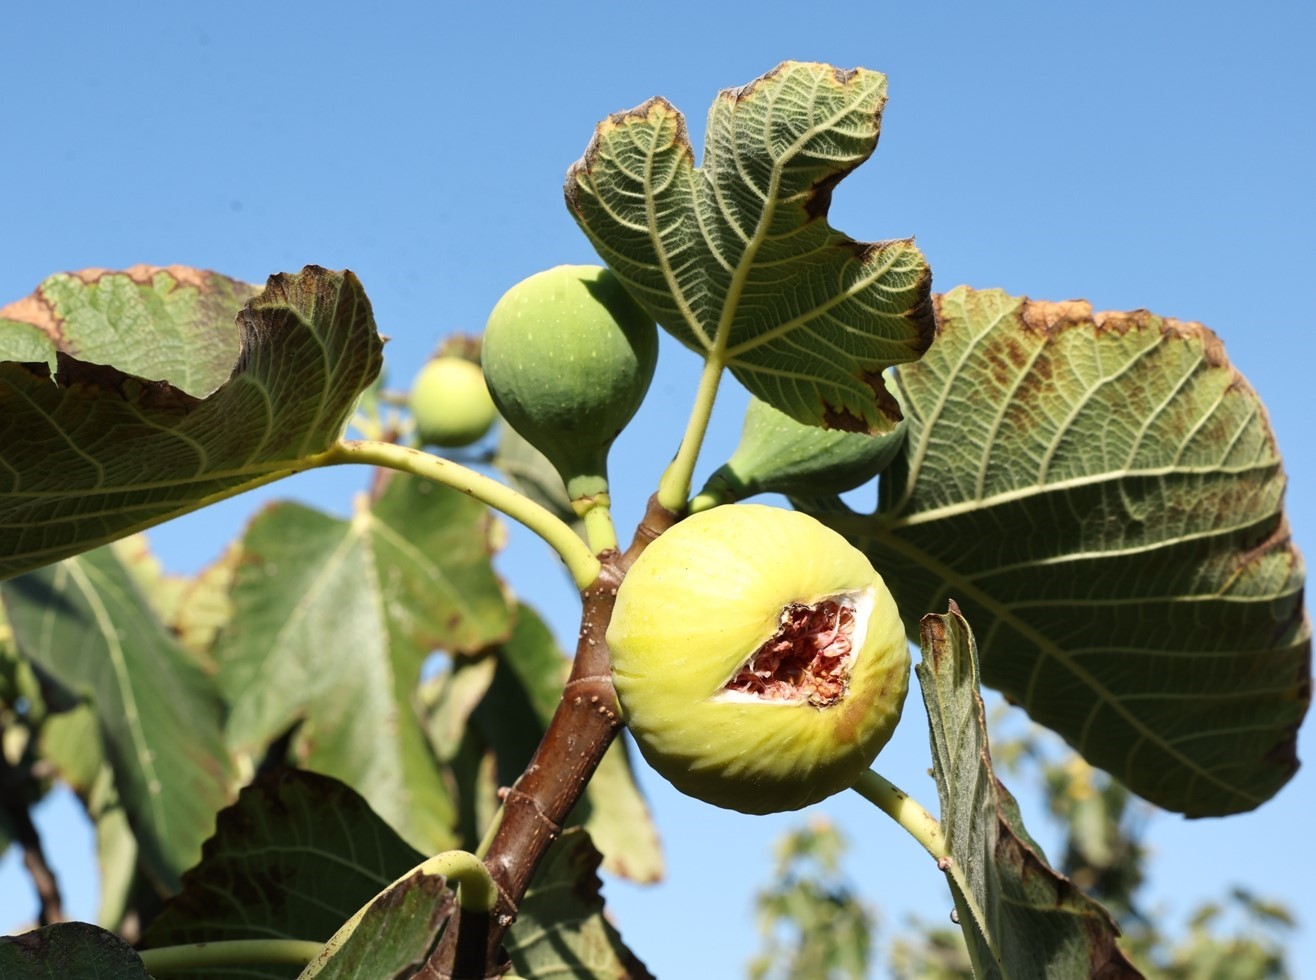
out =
column 736, row 258
column 97, row 449
column 1103, row 496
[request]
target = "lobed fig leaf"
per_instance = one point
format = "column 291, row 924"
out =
column 760, row 661
column 450, row 403
column 736, row 258
column 777, row 454
column 96, row 449
column 1115, row 527
column 568, row 356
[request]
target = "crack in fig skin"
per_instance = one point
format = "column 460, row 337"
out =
column 808, row 659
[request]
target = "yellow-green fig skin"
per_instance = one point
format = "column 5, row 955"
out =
column 450, row 403
column 695, row 606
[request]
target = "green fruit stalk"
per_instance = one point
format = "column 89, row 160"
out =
column 568, row 356
column 777, row 454
column 760, row 661
column 450, row 403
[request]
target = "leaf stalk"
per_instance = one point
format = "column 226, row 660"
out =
column 674, row 488
column 229, row 952
column 580, row 561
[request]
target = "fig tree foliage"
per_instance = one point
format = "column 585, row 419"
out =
column 346, row 748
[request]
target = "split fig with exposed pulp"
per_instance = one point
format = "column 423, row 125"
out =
column 760, row 661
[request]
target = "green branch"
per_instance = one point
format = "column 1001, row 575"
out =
column 599, row 529
column 476, row 891
column 229, row 952
column 580, row 562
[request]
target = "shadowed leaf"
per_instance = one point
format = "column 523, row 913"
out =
column 85, row 624
column 95, row 452
column 1102, row 495
column 332, row 620
column 560, row 930
column 735, row 258
column 394, row 936
column 1021, row 919
column 69, row 949
column 294, row 858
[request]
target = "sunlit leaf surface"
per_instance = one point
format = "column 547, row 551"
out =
column 157, row 404
column 1102, row 495
column 331, row 622
column 736, row 258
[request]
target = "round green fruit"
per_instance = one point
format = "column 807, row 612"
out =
column 760, row 661
column 569, row 355
column 450, row 403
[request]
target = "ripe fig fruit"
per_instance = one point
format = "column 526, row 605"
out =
column 777, row 454
column 569, row 356
column 450, row 403
column 759, row 659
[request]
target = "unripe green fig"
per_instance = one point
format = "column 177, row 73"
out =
column 450, row 403
column 569, row 356
column 759, row 659
column 777, row 454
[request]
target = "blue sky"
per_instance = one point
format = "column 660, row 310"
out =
column 1137, row 155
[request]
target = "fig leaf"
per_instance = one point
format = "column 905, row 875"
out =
column 736, row 259
column 118, row 438
column 1102, row 495
column 1020, row 918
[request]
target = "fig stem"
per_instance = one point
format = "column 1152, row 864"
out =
column 580, row 561
column 674, row 487
column 229, row 952
column 924, row 828
column 599, row 529
column 904, row 810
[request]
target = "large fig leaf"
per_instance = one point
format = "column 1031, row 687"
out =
column 1021, row 919
column 85, row 624
column 95, row 452
column 331, row 622
column 1102, row 495
column 293, row 858
column 736, row 258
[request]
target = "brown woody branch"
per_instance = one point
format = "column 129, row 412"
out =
column 534, row 809
column 13, row 799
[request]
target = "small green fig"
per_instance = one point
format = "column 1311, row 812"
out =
column 450, row 403
column 760, row 661
column 569, row 355
column 777, row 454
